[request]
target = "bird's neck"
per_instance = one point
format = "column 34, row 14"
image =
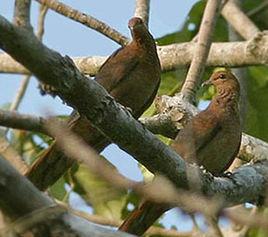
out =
column 226, row 100
column 143, row 39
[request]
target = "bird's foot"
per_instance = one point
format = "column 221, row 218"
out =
column 46, row 89
column 206, row 172
column 227, row 174
column 203, row 169
column 129, row 110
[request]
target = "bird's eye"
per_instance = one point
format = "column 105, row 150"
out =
column 222, row 76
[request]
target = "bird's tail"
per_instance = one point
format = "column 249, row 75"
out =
column 143, row 217
column 48, row 168
column 53, row 163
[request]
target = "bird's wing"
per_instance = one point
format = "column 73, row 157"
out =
column 197, row 134
column 116, row 68
column 206, row 126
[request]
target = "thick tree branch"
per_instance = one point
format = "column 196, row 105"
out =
column 234, row 54
column 246, row 184
column 86, row 20
column 167, row 123
column 237, row 18
column 12, row 186
column 32, row 210
column 142, row 10
column 201, row 50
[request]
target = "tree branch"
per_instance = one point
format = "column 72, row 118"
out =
column 234, row 54
column 237, row 18
column 152, row 231
column 10, row 154
column 246, row 184
column 142, row 10
column 22, row 14
column 30, row 210
column 201, row 51
column 86, row 20
column 258, row 9
column 12, row 186
column 16, row 120
column 26, row 79
column 167, row 123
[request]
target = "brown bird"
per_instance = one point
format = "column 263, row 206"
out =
column 211, row 139
column 132, row 76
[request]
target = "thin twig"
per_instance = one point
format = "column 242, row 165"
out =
column 26, row 79
column 239, row 20
column 201, row 51
column 214, row 228
column 20, row 93
column 153, row 230
column 241, row 73
column 246, row 217
column 12, row 156
column 26, row 122
column 22, row 14
column 258, row 9
column 86, row 20
column 244, row 230
column 41, row 22
column 142, row 10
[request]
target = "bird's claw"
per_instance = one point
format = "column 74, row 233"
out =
column 227, row 174
column 129, row 110
column 203, row 169
column 46, row 89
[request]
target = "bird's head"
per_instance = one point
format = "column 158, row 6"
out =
column 135, row 23
column 138, row 30
column 223, row 79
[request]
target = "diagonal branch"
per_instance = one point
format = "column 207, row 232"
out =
column 246, row 184
column 86, row 20
column 239, row 20
column 201, row 51
column 166, row 124
column 32, row 211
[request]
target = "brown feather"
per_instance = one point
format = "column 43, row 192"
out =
column 132, row 76
column 211, row 139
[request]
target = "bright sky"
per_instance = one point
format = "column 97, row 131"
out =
column 73, row 39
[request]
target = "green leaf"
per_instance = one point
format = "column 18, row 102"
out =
column 257, row 94
column 105, row 199
column 57, row 190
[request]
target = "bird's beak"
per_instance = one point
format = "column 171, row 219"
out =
column 206, row 83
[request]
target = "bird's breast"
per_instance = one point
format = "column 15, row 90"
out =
column 138, row 90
